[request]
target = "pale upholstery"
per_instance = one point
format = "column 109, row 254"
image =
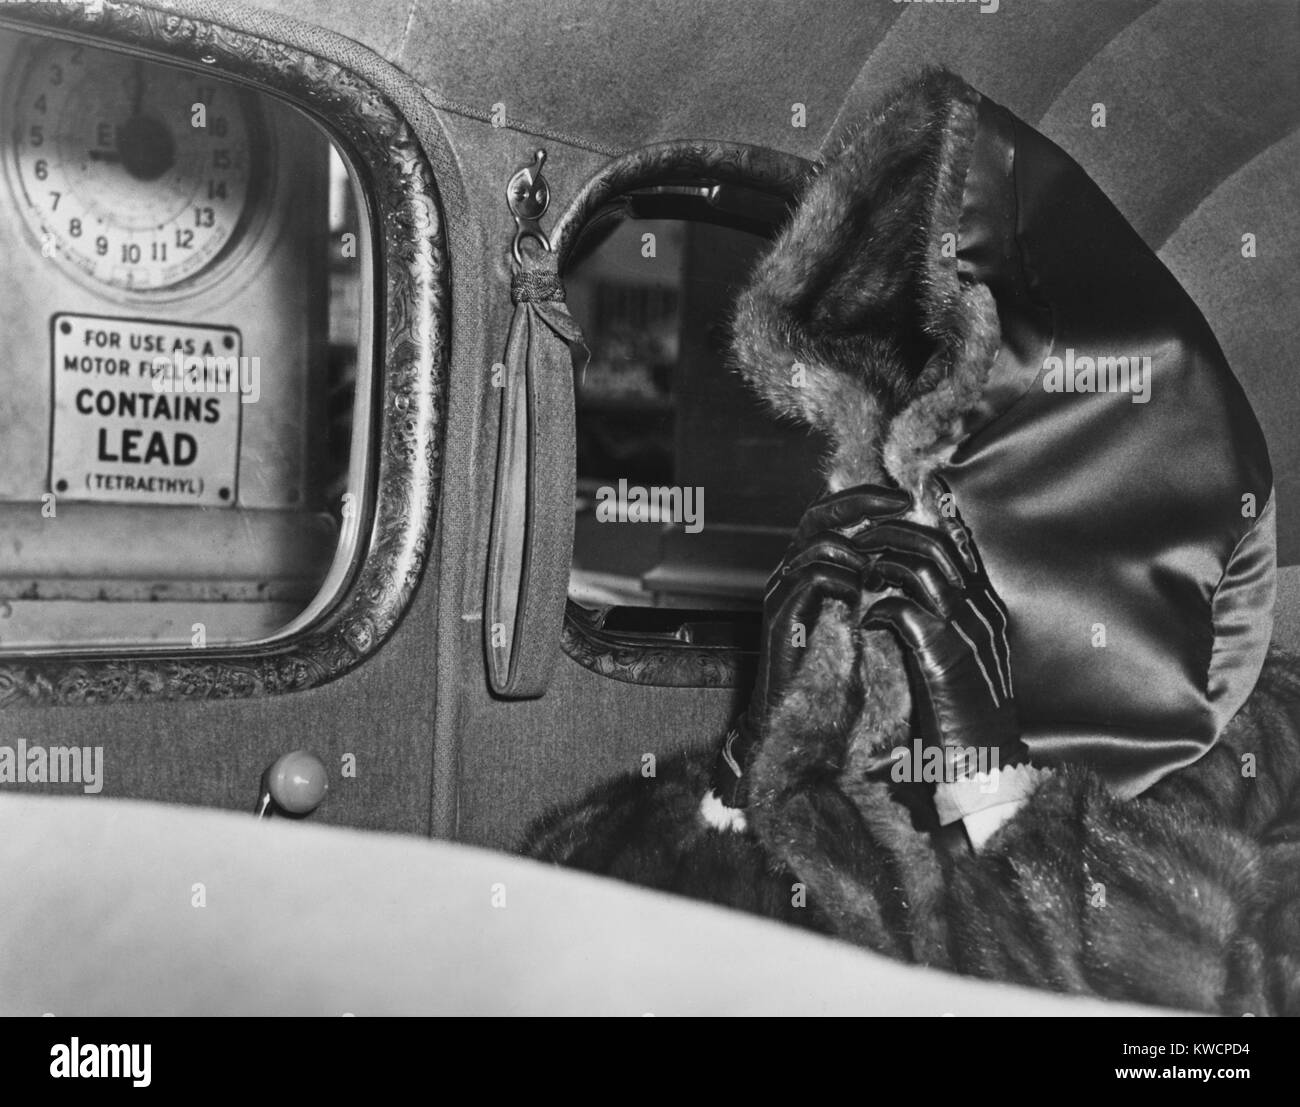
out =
column 311, row 920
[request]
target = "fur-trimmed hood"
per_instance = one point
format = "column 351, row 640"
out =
column 954, row 295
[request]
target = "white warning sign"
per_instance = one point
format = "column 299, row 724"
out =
column 146, row 412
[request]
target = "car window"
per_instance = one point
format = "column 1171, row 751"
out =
column 688, row 489
column 185, row 333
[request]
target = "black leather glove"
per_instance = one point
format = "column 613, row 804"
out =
column 822, row 563
column 953, row 628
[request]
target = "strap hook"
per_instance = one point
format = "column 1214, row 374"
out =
column 528, row 196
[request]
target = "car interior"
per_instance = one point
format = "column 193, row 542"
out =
column 270, row 490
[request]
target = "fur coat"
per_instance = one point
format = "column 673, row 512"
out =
column 927, row 278
column 1185, row 897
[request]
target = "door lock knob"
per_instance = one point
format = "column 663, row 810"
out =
column 294, row 785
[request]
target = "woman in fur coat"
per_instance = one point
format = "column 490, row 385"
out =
column 1066, row 758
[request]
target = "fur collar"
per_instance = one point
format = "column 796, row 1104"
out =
column 866, row 276
column 858, row 323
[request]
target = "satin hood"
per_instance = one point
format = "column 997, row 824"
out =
column 955, row 296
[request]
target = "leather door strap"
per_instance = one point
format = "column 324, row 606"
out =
column 531, row 545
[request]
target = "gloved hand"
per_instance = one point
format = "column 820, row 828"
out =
column 953, row 628
column 822, row 563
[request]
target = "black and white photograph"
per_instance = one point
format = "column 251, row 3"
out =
column 649, row 508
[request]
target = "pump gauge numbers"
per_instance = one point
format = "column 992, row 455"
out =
column 139, row 177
